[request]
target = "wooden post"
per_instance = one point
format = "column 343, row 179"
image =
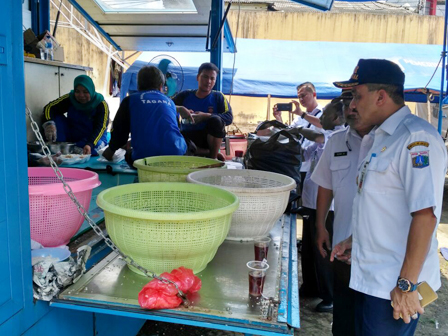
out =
column 269, row 108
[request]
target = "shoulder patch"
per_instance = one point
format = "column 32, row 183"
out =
column 420, row 159
column 418, row 143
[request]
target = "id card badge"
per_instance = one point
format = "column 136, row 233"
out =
column 363, row 174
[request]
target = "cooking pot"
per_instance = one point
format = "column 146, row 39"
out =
column 62, row 147
column 34, row 147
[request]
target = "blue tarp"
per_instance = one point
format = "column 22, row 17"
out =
column 275, row 67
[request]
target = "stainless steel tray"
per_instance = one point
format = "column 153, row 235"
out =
column 223, row 298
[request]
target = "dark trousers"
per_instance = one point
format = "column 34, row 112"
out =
column 373, row 317
column 302, row 179
column 317, row 272
column 343, row 301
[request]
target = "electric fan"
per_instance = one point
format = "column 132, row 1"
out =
column 174, row 74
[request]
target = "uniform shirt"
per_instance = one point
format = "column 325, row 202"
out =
column 317, row 112
column 214, row 103
column 336, row 171
column 151, row 118
column 299, row 122
column 83, row 127
column 312, row 154
column 406, row 173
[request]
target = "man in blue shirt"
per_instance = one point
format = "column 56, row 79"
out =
column 150, row 117
column 212, row 112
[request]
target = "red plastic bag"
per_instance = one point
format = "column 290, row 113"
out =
column 158, row 295
column 188, row 282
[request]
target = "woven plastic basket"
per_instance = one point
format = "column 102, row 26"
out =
column 170, row 168
column 263, row 198
column 54, row 218
column 163, row 226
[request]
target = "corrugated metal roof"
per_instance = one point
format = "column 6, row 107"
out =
column 372, row 7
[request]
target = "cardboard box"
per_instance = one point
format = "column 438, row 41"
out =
column 29, row 37
column 58, row 53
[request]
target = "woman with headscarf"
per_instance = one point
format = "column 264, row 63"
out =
column 86, row 120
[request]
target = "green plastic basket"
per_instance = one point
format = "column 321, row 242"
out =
column 163, row 226
column 170, row 168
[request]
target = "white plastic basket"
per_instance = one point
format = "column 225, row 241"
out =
column 263, row 198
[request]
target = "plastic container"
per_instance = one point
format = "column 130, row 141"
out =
column 54, row 218
column 163, row 226
column 59, row 254
column 263, row 198
column 171, row 168
column 235, row 144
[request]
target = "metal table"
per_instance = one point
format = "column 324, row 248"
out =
column 222, row 303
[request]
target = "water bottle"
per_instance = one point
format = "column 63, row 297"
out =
column 48, row 48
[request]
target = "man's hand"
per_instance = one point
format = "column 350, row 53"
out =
column 297, row 110
column 87, row 150
column 185, row 113
column 201, row 116
column 323, row 237
column 50, row 132
column 406, row 305
column 277, row 114
column 343, row 251
column 108, row 154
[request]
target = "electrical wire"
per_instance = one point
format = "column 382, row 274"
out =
column 434, row 72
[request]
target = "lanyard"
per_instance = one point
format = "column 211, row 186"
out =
column 364, row 173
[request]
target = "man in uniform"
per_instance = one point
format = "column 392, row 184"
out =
column 212, row 113
column 335, row 174
column 321, row 275
column 397, row 206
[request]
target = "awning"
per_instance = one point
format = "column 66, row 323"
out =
column 156, row 25
column 275, row 67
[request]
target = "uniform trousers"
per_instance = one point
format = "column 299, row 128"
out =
column 343, row 301
column 374, row 317
column 317, row 272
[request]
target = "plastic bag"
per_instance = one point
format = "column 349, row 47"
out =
column 158, row 295
column 281, row 153
column 118, row 156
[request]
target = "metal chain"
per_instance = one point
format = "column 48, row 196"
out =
column 92, row 224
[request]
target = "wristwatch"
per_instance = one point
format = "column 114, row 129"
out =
column 304, row 114
column 405, row 285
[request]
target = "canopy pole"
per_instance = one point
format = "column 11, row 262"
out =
column 442, row 84
column 268, row 113
column 215, row 31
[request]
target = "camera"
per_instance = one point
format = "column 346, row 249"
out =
column 284, row 107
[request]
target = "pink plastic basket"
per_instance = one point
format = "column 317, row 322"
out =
column 54, row 218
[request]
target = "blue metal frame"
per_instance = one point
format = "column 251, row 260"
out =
column 216, row 52
column 40, row 16
column 288, row 311
column 94, row 23
column 442, row 83
column 159, row 316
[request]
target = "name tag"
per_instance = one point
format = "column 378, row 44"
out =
column 340, row 154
